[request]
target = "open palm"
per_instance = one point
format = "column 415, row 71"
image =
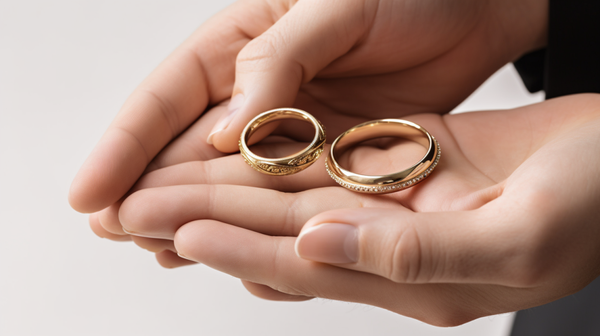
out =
column 479, row 236
column 367, row 59
column 482, row 235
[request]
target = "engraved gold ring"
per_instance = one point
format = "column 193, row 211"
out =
column 286, row 165
column 380, row 184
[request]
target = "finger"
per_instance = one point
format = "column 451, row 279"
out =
column 408, row 247
column 198, row 73
column 232, row 169
column 109, row 219
column 190, row 145
column 168, row 259
column 154, row 245
column 271, row 261
column 103, row 233
column 159, row 212
column 271, row 68
column 268, row 293
column 229, row 169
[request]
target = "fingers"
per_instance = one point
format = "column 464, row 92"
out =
column 190, row 145
column 198, row 73
column 406, row 247
column 271, row 67
column 233, row 170
column 165, row 251
column 101, row 232
column 268, row 293
column 168, row 259
column 159, row 212
column 156, row 112
column 271, row 261
column 230, row 170
column 154, row 245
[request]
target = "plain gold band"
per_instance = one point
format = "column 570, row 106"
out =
column 290, row 164
column 379, row 184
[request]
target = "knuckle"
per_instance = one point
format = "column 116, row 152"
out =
column 166, row 109
column 404, row 264
column 292, row 224
column 280, row 277
column 292, row 285
column 259, row 52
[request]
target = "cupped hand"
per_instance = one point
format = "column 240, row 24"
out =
column 358, row 58
column 508, row 220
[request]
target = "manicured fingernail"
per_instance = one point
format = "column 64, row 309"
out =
column 329, row 243
column 234, row 106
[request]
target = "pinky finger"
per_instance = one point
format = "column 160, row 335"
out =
column 169, row 259
column 102, row 233
column 267, row 293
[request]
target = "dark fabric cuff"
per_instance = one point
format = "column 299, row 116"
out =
column 571, row 62
column 531, row 68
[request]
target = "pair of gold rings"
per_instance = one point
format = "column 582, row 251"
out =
column 373, row 184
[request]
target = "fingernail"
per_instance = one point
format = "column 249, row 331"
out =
column 132, row 233
column 329, row 243
column 234, row 106
column 184, row 257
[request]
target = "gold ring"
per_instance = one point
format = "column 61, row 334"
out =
column 286, row 165
column 381, row 184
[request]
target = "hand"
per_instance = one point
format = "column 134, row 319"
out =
column 355, row 58
column 509, row 219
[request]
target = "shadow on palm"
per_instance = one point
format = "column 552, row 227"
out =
column 456, row 184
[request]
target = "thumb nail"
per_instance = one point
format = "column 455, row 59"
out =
column 234, row 106
column 329, row 243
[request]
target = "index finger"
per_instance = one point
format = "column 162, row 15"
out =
column 197, row 74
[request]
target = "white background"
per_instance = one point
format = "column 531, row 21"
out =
column 65, row 69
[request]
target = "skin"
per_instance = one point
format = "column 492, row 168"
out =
column 355, row 58
column 492, row 230
column 484, row 234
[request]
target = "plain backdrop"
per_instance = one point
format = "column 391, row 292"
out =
column 65, row 69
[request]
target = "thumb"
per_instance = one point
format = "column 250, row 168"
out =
column 271, row 67
column 409, row 247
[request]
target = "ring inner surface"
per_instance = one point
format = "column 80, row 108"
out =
column 280, row 115
column 379, row 130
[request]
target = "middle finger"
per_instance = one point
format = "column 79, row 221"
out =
column 159, row 212
column 230, row 169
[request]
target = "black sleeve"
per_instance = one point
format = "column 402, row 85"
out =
column 571, row 62
column 531, row 68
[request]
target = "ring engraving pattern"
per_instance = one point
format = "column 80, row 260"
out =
column 288, row 165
